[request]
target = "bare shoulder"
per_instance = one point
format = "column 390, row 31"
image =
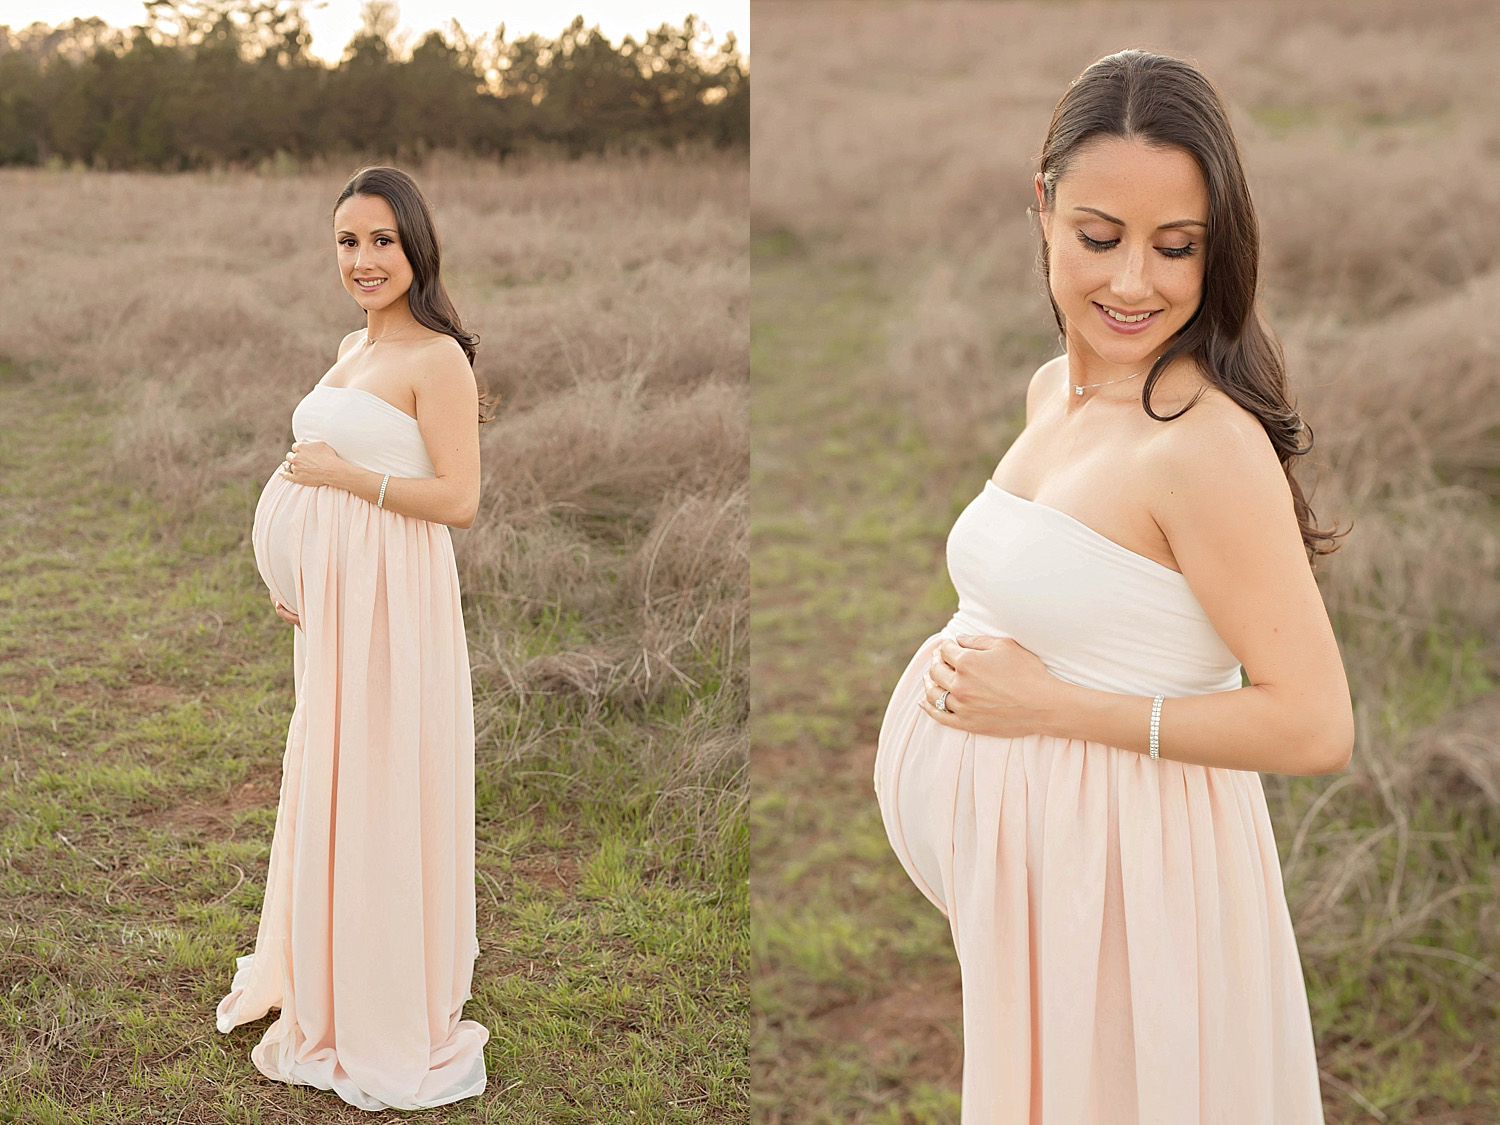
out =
column 1216, row 435
column 1046, row 381
column 350, row 341
column 440, row 366
column 1215, row 457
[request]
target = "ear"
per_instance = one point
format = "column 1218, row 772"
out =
column 1044, row 215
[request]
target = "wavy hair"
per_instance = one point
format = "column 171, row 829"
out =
column 428, row 296
column 1166, row 102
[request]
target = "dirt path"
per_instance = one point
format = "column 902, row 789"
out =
column 856, row 987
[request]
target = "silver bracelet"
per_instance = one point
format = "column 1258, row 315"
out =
column 1156, row 727
column 380, row 503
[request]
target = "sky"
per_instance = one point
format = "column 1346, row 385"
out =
column 333, row 22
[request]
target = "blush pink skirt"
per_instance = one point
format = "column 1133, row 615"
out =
column 1124, row 940
column 366, row 941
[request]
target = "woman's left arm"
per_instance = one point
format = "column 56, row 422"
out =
column 447, row 399
column 1225, row 506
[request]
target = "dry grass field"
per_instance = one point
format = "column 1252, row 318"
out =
column 155, row 333
column 896, row 317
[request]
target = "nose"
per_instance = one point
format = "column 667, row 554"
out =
column 1130, row 284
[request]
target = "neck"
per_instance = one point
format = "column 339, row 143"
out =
column 1087, row 370
column 382, row 321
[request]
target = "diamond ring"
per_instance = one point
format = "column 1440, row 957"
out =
column 942, row 703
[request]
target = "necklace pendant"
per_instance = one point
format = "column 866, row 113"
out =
column 1078, row 390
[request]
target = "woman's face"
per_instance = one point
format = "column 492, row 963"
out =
column 369, row 249
column 1125, row 238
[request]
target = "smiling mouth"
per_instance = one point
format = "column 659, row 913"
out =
column 1126, row 318
column 369, row 285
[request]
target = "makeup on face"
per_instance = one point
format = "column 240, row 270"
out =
column 1125, row 235
column 371, row 259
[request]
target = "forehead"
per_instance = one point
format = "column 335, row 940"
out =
column 364, row 213
column 1134, row 181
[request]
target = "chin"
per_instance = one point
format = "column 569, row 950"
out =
column 1127, row 351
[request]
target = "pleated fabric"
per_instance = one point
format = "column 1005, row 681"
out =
column 367, row 935
column 1121, row 927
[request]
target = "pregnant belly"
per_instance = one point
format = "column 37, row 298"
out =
column 285, row 519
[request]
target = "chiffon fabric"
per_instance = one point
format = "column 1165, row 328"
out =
column 367, row 934
column 1122, row 932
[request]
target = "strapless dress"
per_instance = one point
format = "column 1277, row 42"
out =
column 367, row 934
column 1126, row 951
column 365, row 430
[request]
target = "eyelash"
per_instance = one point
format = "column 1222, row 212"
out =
column 382, row 238
column 1170, row 251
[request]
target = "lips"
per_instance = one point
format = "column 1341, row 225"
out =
column 1127, row 321
column 369, row 288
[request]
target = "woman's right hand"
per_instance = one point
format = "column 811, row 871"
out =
column 285, row 614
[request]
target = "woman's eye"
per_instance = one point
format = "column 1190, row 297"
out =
column 1100, row 245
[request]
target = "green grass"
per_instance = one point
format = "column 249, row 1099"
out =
column 854, row 988
column 145, row 690
column 847, row 530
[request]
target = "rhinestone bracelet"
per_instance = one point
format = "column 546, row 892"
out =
column 380, row 502
column 1155, row 727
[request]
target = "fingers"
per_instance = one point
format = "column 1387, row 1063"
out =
column 944, row 718
column 932, row 691
column 954, row 649
column 941, row 673
column 971, row 640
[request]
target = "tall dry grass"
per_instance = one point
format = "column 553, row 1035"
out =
column 606, row 571
column 905, row 137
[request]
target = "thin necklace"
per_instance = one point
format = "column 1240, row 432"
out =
column 376, row 339
column 1079, row 388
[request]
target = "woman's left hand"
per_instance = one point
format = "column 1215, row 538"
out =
column 311, row 463
column 994, row 687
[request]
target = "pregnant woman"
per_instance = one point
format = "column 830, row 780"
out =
column 1069, row 769
column 367, row 933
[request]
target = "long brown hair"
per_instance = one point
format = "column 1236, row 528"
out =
column 428, row 296
column 1136, row 95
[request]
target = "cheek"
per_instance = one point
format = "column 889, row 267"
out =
column 1075, row 271
column 1183, row 285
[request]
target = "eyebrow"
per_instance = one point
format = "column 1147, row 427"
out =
column 382, row 230
column 1173, row 225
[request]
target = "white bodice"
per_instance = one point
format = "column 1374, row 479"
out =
column 1096, row 613
column 364, row 430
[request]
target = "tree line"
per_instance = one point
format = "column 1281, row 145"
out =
column 231, row 83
